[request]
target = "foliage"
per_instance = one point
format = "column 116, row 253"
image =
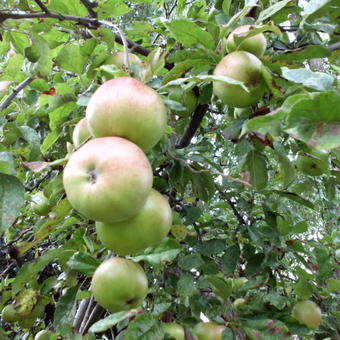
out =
column 248, row 223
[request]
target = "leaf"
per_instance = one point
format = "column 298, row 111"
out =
column 110, row 321
column 11, row 200
column 111, row 8
column 312, row 7
column 302, row 54
column 186, row 285
column 203, row 185
column 64, row 312
column 276, row 300
column 83, row 263
column 286, row 168
column 230, row 258
column 32, row 138
column 71, row 59
column 67, row 7
column 211, row 247
column 315, row 80
column 314, row 119
column 300, row 227
column 190, row 34
column 271, row 10
column 7, row 165
column 167, row 251
column 333, row 285
column 254, row 264
column 144, row 327
column 50, row 139
column 325, row 266
column 60, row 114
column 192, row 214
column 256, row 165
column 220, row 286
column 294, row 197
column 192, row 261
column 303, row 289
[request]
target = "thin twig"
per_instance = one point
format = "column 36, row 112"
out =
column 15, row 92
column 96, row 313
column 79, row 317
column 7, row 269
column 90, row 6
column 17, row 238
column 42, row 6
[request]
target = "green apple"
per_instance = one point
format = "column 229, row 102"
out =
column 9, row 314
column 44, row 335
column 239, row 302
column 40, row 204
column 307, row 313
column 174, row 330
column 314, row 164
column 256, row 44
column 127, row 108
column 147, row 228
column 108, row 179
column 187, row 99
column 80, row 133
column 244, row 67
column 119, row 284
column 209, row 331
column 118, row 60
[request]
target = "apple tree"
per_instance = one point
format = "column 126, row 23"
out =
column 233, row 184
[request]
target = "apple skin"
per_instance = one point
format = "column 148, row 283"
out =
column 241, row 66
column 40, row 204
column 174, row 330
column 43, row 335
column 108, row 179
column 307, row 313
column 209, row 331
column 188, row 99
column 147, row 228
column 127, row 108
column 256, row 44
column 9, row 314
column 118, row 60
column 119, row 284
column 80, row 133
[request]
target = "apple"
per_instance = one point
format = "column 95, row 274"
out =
column 242, row 112
column 314, row 164
column 9, row 314
column 43, row 335
column 147, row 228
column 307, row 313
column 188, row 99
column 256, row 44
column 209, row 331
column 245, row 67
column 119, row 284
column 127, row 108
column 40, row 204
column 118, row 60
column 108, row 179
column 80, row 133
column 239, row 302
column 174, row 330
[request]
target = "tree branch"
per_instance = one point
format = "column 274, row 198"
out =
column 194, row 124
column 42, row 6
column 90, row 6
column 15, row 92
column 334, row 47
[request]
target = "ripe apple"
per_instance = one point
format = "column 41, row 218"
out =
column 256, row 44
column 108, row 179
column 118, row 60
column 40, row 204
column 127, row 108
column 174, row 330
column 188, row 99
column 80, row 133
column 44, row 335
column 314, row 164
column 119, row 284
column 9, row 314
column 147, row 228
column 209, row 331
column 307, row 313
column 241, row 66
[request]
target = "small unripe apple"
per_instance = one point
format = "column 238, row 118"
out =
column 119, row 284
column 80, row 133
column 9, row 314
column 40, row 204
column 147, row 228
column 127, row 108
column 256, row 44
column 245, row 67
column 188, row 99
column 239, row 302
column 307, row 313
column 174, row 330
column 209, row 331
column 43, row 335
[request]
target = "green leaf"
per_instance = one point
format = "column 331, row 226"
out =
column 312, row 7
column 314, row 119
column 211, row 247
column 230, row 258
column 325, row 266
column 271, row 10
column 71, row 59
column 256, row 164
column 333, row 285
column 186, row 285
column 286, row 168
column 19, row 40
column 32, row 138
column 110, row 321
column 303, row 289
column 203, row 185
column 300, row 227
column 11, row 200
column 283, row 226
column 7, row 164
column 83, row 263
column 50, row 139
column 167, row 251
column 67, row 7
column 64, row 312
column 294, row 197
column 192, row 261
column 144, row 327
column 60, row 114
column 220, row 286
column 111, row 8
column 190, row 34
column 254, row 264
column 277, row 300
column 315, row 80
column 300, row 55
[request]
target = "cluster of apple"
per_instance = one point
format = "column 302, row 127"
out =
column 108, row 179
